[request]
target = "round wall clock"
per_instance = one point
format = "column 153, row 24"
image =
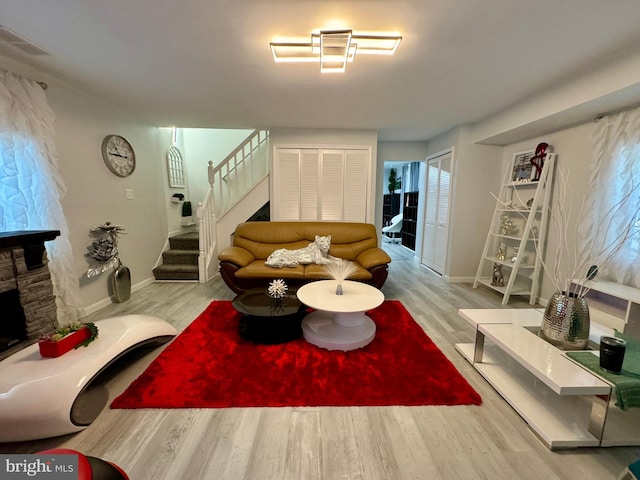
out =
column 118, row 155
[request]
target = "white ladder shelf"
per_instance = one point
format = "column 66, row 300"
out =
column 529, row 216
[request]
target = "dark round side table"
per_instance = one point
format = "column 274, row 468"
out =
column 267, row 320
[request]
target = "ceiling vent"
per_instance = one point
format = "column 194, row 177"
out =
column 12, row 38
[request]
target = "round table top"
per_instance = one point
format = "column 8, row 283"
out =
column 356, row 296
column 259, row 304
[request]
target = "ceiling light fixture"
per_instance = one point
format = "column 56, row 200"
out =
column 333, row 49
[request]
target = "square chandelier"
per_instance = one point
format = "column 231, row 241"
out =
column 333, row 49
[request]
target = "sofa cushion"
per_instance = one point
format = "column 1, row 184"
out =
column 373, row 258
column 257, row 269
column 239, row 256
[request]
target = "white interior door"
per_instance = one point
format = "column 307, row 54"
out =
column 435, row 238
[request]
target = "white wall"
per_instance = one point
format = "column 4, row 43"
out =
column 574, row 151
column 94, row 194
column 476, row 173
column 202, row 145
column 401, row 151
column 613, row 86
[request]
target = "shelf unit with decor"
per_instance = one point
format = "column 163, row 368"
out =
column 390, row 207
column 410, row 220
column 518, row 231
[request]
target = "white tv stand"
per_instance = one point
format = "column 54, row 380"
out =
column 565, row 404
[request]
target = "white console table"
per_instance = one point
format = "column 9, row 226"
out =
column 614, row 306
column 565, row 404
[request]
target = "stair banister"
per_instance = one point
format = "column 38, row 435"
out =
column 207, row 235
column 237, row 166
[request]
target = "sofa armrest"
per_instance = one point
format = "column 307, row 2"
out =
column 372, row 258
column 236, row 255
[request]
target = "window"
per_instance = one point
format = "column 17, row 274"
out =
column 615, row 199
column 175, row 168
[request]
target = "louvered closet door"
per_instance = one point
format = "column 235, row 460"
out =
column 332, row 180
column 436, row 222
column 321, row 184
column 286, row 185
column 442, row 221
column 356, row 177
column 309, row 188
column 431, row 214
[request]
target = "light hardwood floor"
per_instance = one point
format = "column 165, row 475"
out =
column 464, row 442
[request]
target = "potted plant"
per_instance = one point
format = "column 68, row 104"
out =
column 394, row 182
column 63, row 339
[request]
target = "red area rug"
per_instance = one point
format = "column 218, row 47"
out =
column 210, row 366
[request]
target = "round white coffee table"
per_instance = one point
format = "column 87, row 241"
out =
column 340, row 322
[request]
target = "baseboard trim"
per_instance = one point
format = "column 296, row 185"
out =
column 460, row 279
column 107, row 301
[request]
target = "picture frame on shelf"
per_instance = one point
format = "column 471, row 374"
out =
column 522, row 169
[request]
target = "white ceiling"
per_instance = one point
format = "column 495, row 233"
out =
column 206, row 63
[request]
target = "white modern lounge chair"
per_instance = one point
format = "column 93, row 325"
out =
column 391, row 232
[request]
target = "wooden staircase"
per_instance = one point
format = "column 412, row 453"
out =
column 180, row 262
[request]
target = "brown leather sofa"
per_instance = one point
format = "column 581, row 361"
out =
column 242, row 264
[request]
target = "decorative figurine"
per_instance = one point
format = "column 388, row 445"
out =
column 497, row 280
column 538, row 159
column 277, row 288
column 514, row 256
column 502, row 252
column 505, row 225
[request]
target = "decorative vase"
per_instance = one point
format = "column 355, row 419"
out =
column 566, row 322
column 53, row 349
column 121, row 284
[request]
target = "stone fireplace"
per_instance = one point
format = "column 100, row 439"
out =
column 27, row 302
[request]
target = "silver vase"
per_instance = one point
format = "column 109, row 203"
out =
column 121, row 284
column 566, row 322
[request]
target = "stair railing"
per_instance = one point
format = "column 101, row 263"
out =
column 228, row 181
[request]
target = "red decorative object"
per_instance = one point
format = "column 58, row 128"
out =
column 90, row 468
column 49, row 348
column 538, row 159
column 210, row 366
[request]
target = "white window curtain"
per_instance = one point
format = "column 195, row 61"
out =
column 31, row 186
column 615, row 175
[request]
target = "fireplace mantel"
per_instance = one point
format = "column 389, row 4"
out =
column 31, row 241
column 26, row 289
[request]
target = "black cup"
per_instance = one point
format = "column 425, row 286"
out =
column 612, row 353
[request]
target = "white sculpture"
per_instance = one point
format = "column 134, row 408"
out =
column 316, row 252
